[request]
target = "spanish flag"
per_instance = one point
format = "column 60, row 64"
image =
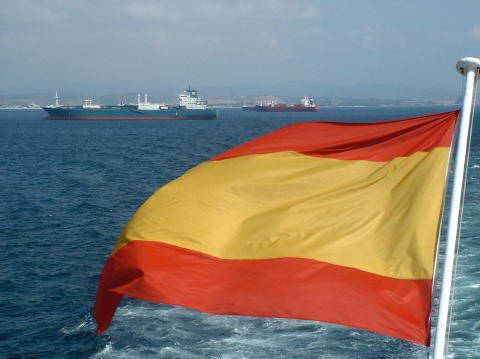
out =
column 325, row 221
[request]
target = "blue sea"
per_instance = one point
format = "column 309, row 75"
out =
column 67, row 188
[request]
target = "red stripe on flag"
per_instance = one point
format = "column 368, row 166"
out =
column 377, row 141
column 283, row 287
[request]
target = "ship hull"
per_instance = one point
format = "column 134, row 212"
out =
column 55, row 113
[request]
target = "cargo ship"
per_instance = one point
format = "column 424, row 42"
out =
column 307, row 104
column 190, row 107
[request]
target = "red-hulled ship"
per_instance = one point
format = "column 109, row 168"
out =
column 306, row 105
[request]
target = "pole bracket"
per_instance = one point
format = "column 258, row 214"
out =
column 468, row 63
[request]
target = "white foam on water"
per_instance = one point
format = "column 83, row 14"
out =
column 461, row 349
column 84, row 326
column 105, row 352
column 146, row 330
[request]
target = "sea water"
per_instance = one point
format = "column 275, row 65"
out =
column 67, row 188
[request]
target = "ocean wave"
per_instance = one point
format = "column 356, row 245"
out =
column 86, row 325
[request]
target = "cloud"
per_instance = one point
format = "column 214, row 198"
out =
column 115, row 42
column 21, row 14
column 92, row 41
column 377, row 37
column 143, row 13
column 221, row 11
column 188, row 23
column 475, row 32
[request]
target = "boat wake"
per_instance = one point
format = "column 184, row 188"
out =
column 148, row 330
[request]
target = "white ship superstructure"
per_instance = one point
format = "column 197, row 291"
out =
column 88, row 103
column 308, row 102
column 145, row 105
column 190, row 100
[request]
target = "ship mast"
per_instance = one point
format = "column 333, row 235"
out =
column 56, row 99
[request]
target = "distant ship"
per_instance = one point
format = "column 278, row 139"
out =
column 307, row 104
column 190, row 107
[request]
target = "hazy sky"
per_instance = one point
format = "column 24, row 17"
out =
column 122, row 45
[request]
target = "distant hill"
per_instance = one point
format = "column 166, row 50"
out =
column 318, row 89
column 333, row 94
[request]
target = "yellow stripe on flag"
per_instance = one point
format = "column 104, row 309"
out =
column 352, row 213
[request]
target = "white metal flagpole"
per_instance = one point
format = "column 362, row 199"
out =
column 468, row 66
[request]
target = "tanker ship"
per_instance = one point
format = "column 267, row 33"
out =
column 307, row 104
column 190, row 107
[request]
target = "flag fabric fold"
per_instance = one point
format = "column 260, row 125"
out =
column 334, row 222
